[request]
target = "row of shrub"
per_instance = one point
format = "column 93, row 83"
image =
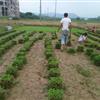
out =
column 8, row 78
column 5, row 47
column 8, row 45
column 94, row 56
column 7, row 32
column 54, row 35
column 94, row 34
column 94, row 38
column 55, row 82
column 91, row 37
column 89, row 43
column 10, row 37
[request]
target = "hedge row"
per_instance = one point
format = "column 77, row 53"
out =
column 94, row 56
column 55, row 82
column 95, row 34
column 89, row 43
column 8, row 45
column 5, row 47
column 8, row 78
column 7, row 32
column 10, row 37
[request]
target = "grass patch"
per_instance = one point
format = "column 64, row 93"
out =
column 37, row 28
column 84, row 72
column 55, row 94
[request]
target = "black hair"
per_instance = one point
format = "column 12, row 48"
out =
column 65, row 14
column 85, row 34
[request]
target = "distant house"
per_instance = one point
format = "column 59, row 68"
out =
column 9, row 8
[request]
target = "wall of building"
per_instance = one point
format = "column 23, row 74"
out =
column 9, row 8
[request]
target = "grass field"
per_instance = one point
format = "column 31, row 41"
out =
column 38, row 28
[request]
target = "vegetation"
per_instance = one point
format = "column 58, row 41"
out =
column 55, row 94
column 80, row 48
column 71, row 50
column 83, row 71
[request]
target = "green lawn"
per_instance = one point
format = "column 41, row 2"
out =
column 37, row 28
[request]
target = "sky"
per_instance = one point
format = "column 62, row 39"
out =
column 83, row 8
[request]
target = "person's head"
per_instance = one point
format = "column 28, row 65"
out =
column 65, row 14
column 85, row 34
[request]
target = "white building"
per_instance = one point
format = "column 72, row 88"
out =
column 9, row 8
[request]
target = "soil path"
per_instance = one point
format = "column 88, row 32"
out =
column 77, row 86
column 32, row 81
column 8, row 57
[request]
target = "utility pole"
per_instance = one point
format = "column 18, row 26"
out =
column 40, row 10
column 55, row 8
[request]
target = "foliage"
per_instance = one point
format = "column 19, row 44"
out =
column 6, row 81
column 55, row 82
column 96, row 60
column 58, row 45
column 2, row 93
column 53, row 62
column 89, row 51
column 29, row 15
column 53, row 72
column 80, row 48
column 55, row 94
column 71, row 50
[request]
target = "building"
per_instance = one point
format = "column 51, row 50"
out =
column 9, row 8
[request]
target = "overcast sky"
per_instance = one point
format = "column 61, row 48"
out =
column 83, row 8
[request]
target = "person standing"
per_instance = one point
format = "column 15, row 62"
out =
column 65, row 26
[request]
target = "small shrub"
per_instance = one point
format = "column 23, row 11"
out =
column 84, row 72
column 58, row 45
column 55, row 94
column 55, row 82
column 71, row 51
column 19, row 61
column 96, row 60
column 12, row 70
column 80, row 48
column 40, row 31
column 21, row 41
column 93, row 55
column 2, row 93
column 6, row 81
column 90, row 45
column 53, row 62
column 53, row 72
column 48, row 54
column 89, row 51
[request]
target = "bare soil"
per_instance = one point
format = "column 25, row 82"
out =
column 32, row 81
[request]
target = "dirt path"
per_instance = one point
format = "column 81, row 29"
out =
column 77, row 86
column 8, row 57
column 31, row 79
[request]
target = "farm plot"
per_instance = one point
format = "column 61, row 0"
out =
column 81, row 77
column 38, row 71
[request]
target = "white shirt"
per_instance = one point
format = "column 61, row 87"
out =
column 65, row 22
column 82, row 38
